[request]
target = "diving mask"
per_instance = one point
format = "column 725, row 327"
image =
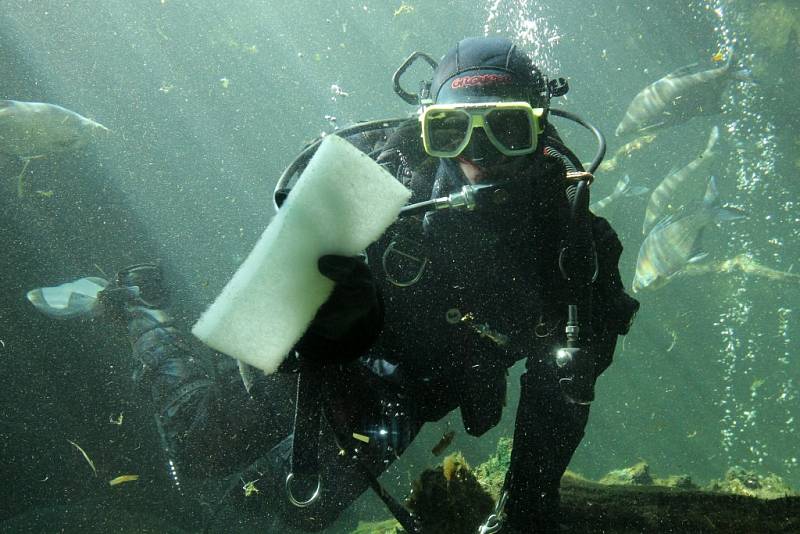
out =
column 512, row 128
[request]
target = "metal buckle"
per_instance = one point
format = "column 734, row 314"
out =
column 302, row 504
column 493, row 523
column 578, row 176
column 491, row 526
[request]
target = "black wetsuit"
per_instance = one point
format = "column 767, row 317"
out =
column 490, row 293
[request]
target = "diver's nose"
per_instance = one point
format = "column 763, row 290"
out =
column 480, row 149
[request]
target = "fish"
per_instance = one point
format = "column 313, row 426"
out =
column 680, row 96
column 661, row 196
column 673, row 243
column 33, row 129
column 746, row 264
column 626, row 151
column 444, row 442
column 622, row 189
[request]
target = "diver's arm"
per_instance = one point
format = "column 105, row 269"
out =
column 614, row 305
column 613, row 309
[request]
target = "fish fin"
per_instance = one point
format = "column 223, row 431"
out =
column 623, row 184
column 672, row 170
column 742, row 74
column 698, row 257
column 728, row 213
column 664, row 221
column 637, row 191
column 711, row 198
column 652, row 126
column 682, row 71
column 713, row 137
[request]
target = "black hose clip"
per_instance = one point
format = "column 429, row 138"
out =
column 557, row 87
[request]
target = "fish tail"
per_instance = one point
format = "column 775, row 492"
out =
column 743, row 75
column 728, row 213
column 740, row 74
column 720, row 213
column 636, row 191
column 729, row 62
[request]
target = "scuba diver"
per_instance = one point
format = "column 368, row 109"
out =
column 496, row 259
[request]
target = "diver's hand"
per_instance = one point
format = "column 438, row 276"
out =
column 354, row 296
column 347, row 324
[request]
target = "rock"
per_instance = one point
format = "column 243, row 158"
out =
column 740, row 481
column 636, row 475
column 448, row 499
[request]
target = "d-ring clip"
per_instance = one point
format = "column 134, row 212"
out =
column 422, row 263
column 302, row 504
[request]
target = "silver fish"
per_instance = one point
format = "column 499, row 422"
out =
column 31, row 129
column 626, row 151
column 662, row 195
column 673, row 243
column 622, row 189
column 679, row 96
column 746, row 264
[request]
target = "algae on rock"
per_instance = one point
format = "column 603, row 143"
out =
column 448, row 498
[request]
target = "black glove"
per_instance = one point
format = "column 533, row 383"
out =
column 348, row 323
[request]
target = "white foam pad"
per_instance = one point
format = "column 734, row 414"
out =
column 342, row 202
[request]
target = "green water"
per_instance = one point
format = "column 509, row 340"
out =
column 208, row 103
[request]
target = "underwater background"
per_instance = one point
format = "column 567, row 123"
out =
column 208, row 102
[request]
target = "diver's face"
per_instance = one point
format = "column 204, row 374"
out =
column 472, row 171
column 479, row 157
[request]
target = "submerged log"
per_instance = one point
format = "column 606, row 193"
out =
column 591, row 507
column 629, row 501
